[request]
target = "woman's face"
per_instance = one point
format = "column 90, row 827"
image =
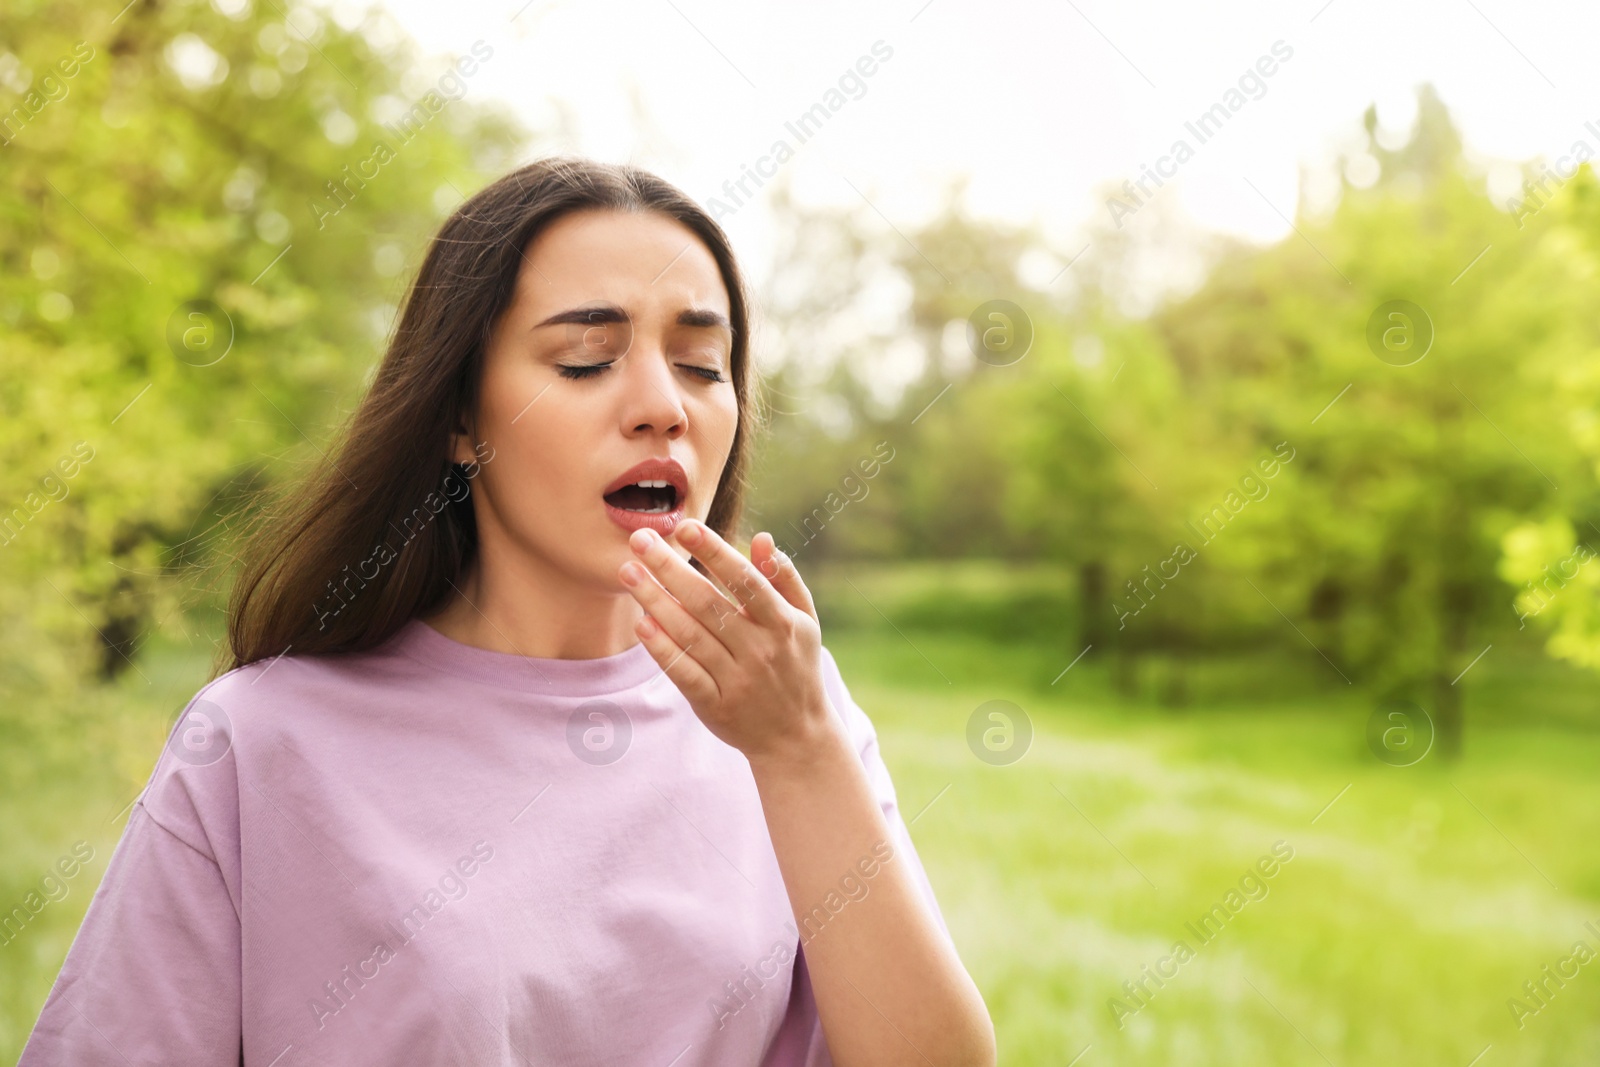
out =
column 615, row 351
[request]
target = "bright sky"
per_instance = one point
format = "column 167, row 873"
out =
column 1040, row 103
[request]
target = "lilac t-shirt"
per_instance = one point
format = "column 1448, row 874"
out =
column 431, row 853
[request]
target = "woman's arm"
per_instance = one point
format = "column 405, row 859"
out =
column 889, row 986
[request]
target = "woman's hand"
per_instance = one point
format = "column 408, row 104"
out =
column 750, row 666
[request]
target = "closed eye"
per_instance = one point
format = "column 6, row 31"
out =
column 580, row 370
column 576, row 371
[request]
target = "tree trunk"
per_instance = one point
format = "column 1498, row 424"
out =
column 1124, row 671
column 1447, row 724
column 1175, row 687
column 118, row 639
column 1091, row 605
column 1456, row 611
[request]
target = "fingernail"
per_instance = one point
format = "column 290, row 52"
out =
column 630, row 573
column 639, row 541
column 689, row 532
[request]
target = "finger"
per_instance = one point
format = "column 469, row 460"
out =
column 738, row 574
column 700, row 568
column 681, row 669
column 691, row 589
column 781, row 573
column 682, row 628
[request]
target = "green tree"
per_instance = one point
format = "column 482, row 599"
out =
column 1386, row 530
column 279, row 166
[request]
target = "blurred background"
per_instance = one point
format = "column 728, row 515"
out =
column 1186, row 416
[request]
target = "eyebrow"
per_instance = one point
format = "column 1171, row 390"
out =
column 609, row 313
column 704, row 317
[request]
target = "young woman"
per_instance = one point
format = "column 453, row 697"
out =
column 519, row 761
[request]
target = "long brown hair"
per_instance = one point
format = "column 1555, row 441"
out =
column 393, row 458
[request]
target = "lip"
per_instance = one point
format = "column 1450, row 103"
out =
column 668, row 470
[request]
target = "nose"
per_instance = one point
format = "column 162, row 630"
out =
column 652, row 403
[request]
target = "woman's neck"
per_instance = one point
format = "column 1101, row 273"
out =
column 510, row 602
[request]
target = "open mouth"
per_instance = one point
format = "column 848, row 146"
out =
column 652, row 496
column 648, row 495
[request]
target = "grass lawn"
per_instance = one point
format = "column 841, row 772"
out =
column 1413, row 909
column 1414, row 906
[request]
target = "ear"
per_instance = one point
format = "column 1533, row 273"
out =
column 463, row 446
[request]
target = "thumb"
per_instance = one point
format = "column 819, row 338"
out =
column 779, row 569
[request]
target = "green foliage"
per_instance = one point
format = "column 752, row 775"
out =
column 1558, row 587
column 1385, row 531
column 980, row 598
column 188, row 157
column 1136, row 452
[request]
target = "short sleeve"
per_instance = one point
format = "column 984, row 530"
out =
column 153, row 975
column 800, row 1041
column 865, row 737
